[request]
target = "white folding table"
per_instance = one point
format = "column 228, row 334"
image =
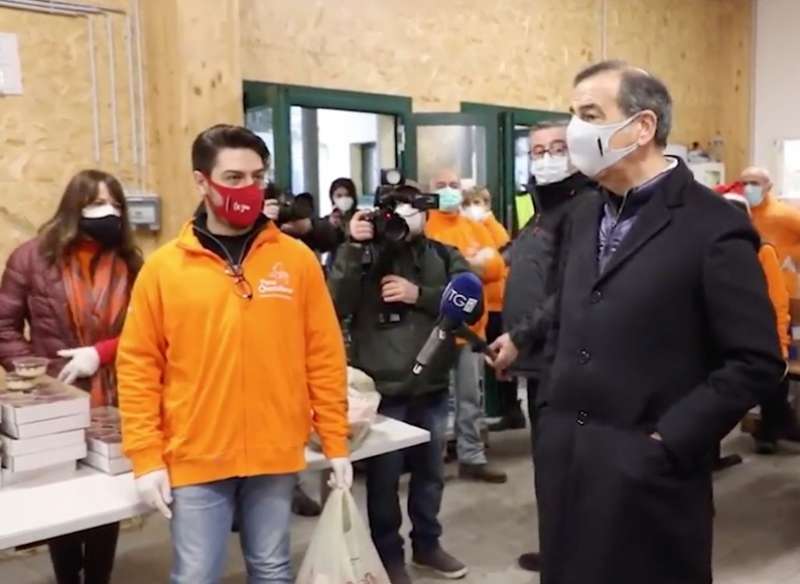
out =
column 34, row 512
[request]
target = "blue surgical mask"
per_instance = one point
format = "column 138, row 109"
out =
column 450, row 199
column 754, row 194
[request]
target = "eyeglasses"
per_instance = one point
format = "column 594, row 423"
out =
column 240, row 283
column 555, row 148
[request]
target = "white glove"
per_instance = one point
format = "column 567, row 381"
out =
column 84, row 362
column 155, row 490
column 342, row 475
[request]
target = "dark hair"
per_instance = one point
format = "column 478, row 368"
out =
column 209, row 142
column 62, row 232
column 343, row 183
column 638, row 91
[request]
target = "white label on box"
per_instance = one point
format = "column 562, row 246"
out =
column 31, row 445
column 44, row 459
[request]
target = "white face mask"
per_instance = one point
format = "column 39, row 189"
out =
column 589, row 148
column 344, row 204
column 100, row 211
column 550, row 169
column 476, row 212
column 414, row 218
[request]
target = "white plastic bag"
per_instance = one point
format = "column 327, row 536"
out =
column 341, row 550
column 363, row 401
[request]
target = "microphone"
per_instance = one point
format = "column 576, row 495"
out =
column 460, row 305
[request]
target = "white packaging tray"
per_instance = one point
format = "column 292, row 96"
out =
column 54, row 426
column 112, row 466
column 12, row 446
column 44, row 459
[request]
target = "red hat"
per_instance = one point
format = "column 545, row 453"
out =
column 734, row 187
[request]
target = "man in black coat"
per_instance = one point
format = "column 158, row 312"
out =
column 665, row 338
column 556, row 187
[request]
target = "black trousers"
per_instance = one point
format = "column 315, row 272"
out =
column 776, row 413
column 89, row 552
column 506, row 390
column 533, row 391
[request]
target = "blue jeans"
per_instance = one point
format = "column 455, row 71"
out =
column 427, row 480
column 201, row 524
column 466, row 379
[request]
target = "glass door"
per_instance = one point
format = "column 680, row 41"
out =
column 463, row 143
column 319, row 135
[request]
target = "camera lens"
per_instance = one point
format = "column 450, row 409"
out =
column 396, row 229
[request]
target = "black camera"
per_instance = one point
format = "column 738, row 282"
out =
column 291, row 207
column 389, row 226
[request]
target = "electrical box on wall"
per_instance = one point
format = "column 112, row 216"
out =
column 144, row 211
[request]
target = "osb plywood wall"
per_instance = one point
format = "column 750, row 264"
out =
column 46, row 134
column 517, row 52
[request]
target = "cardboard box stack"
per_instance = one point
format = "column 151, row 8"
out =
column 104, row 439
column 43, row 429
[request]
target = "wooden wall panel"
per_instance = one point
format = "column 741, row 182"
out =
column 194, row 78
column 46, row 134
column 519, row 52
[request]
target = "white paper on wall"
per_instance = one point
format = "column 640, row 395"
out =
column 10, row 70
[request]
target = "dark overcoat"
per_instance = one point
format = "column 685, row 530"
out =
column 677, row 336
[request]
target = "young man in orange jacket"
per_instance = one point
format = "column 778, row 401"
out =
column 231, row 352
column 449, row 226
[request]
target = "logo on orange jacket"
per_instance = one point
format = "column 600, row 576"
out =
column 277, row 284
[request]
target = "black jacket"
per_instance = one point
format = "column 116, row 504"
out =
column 677, row 336
column 532, row 261
column 387, row 352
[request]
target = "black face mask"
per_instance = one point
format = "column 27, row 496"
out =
column 107, row 231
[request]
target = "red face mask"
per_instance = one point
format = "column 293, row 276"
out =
column 241, row 206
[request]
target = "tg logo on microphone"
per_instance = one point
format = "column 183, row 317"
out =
column 461, row 301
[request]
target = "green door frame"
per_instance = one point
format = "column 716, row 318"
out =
column 454, row 119
column 507, row 118
column 283, row 97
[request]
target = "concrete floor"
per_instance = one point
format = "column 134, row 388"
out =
column 757, row 530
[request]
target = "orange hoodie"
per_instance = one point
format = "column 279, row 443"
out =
column 496, row 290
column 213, row 385
column 469, row 238
column 778, row 294
column 779, row 224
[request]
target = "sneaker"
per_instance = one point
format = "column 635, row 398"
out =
column 482, row 472
column 303, row 505
column 441, row 562
column 397, row 574
column 531, row 562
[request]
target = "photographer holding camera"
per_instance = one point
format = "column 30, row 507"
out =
column 388, row 277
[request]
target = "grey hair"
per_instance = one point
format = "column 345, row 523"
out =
column 551, row 123
column 638, row 91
